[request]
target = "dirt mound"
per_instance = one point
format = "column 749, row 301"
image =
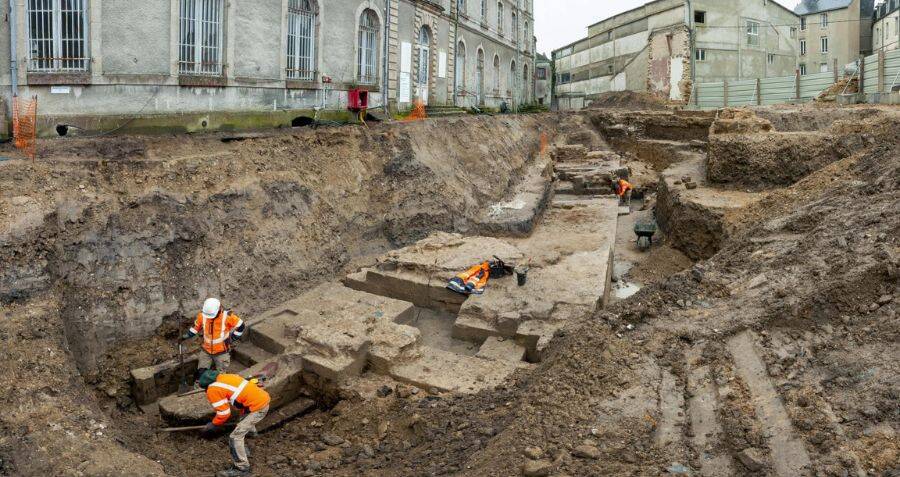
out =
column 633, row 100
column 739, row 121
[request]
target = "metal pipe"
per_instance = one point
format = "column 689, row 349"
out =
column 13, row 53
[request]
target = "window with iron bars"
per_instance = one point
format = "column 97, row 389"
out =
column 368, row 47
column 57, row 36
column 301, row 41
column 200, row 38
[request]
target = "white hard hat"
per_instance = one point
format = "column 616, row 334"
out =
column 211, row 307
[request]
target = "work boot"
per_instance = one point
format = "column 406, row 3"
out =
column 233, row 472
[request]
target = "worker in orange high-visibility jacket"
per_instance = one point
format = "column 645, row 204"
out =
column 219, row 328
column 224, row 391
column 623, row 190
column 472, row 281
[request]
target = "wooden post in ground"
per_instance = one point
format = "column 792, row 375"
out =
column 758, row 92
column 797, row 85
column 725, row 92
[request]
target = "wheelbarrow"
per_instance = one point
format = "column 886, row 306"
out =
column 645, row 229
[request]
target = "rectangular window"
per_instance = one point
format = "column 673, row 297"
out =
column 823, row 45
column 542, row 73
column 484, row 17
column 461, row 6
column 770, row 58
column 301, row 41
column 823, row 68
column 57, row 35
column 823, row 20
column 752, row 33
column 802, row 47
column 368, row 47
column 565, row 78
column 500, row 18
column 700, row 54
column 200, row 40
column 699, row 17
column 802, row 23
column 802, row 69
column 609, row 69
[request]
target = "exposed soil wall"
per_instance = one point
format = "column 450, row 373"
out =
column 141, row 232
column 696, row 230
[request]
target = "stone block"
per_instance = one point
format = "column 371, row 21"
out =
column 470, row 328
column 504, row 349
column 448, row 371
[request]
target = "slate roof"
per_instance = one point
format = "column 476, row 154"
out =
column 808, row 7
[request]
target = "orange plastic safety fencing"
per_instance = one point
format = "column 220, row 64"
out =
column 25, row 126
column 418, row 112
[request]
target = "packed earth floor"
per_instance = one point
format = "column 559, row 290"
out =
column 757, row 336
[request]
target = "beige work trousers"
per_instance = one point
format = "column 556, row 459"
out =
column 220, row 361
column 239, row 453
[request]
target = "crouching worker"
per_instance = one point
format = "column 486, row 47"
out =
column 223, row 391
column 623, row 190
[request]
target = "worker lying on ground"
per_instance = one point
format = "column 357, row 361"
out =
column 472, row 281
column 223, row 391
column 219, row 328
column 623, row 190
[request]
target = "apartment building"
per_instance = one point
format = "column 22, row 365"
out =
column 886, row 26
column 833, row 32
column 664, row 46
column 197, row 64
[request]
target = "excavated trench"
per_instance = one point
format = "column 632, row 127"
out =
column 128, row 235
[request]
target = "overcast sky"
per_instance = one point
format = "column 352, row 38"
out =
column 560, row 22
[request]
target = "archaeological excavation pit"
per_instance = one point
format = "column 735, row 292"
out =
column 755, row 333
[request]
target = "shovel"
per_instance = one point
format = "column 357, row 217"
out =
column 183, row 385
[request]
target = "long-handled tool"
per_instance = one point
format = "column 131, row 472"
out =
column 183, row 385
column 189, row 428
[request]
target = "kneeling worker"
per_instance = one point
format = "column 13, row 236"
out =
column 623, row 190
column 224, row 390
column 219, row 328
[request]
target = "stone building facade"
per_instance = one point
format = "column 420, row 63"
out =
column 203, row 64
column 886, row 26
column 833, row 32
column 664, row 46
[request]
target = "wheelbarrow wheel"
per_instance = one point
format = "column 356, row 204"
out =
column 643, row 243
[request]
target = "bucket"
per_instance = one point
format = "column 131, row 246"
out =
column 521, row 276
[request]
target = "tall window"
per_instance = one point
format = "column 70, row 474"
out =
column 500, row 17
column 479, row 76
column 57, row 35
column 367, row 54
column 200, row 41
column 515, row 28
column 823, row 45
column 823, row 20
column 526, row 81
column 527, row 37
column 301, row 44
column 802, row 23
column 484, row 17
column 510, row 88
column 496, row 75
column 424, row 54
column 461, row 6
column 802, row 47
column 752, row 33
column 460, row 67
column 802, row 69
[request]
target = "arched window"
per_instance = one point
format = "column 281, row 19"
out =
column 424, row 54
column 301, row 44
column 496, row 75
column 526, row 81
column 513, row 73
column 479, row 77
column 515, row 28
column 527, row 40
column 500, row 17
column 367, row 54
column 460, row 67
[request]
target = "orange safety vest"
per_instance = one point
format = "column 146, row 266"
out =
column 216, row 330
column 623, row 187
column 476, row 277
column 230, row 390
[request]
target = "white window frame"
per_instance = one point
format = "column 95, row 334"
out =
column 424, row 47
column 823, row 20
column 802, row 23
column 803, row 49
column 301, row 40
column 700, row 55
column 752, row 33
column 823, row 44
column 367, row 47
column 770, row 58
column 484, row 11
column 802, row 69
column 200, row 54
column 55, row 33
